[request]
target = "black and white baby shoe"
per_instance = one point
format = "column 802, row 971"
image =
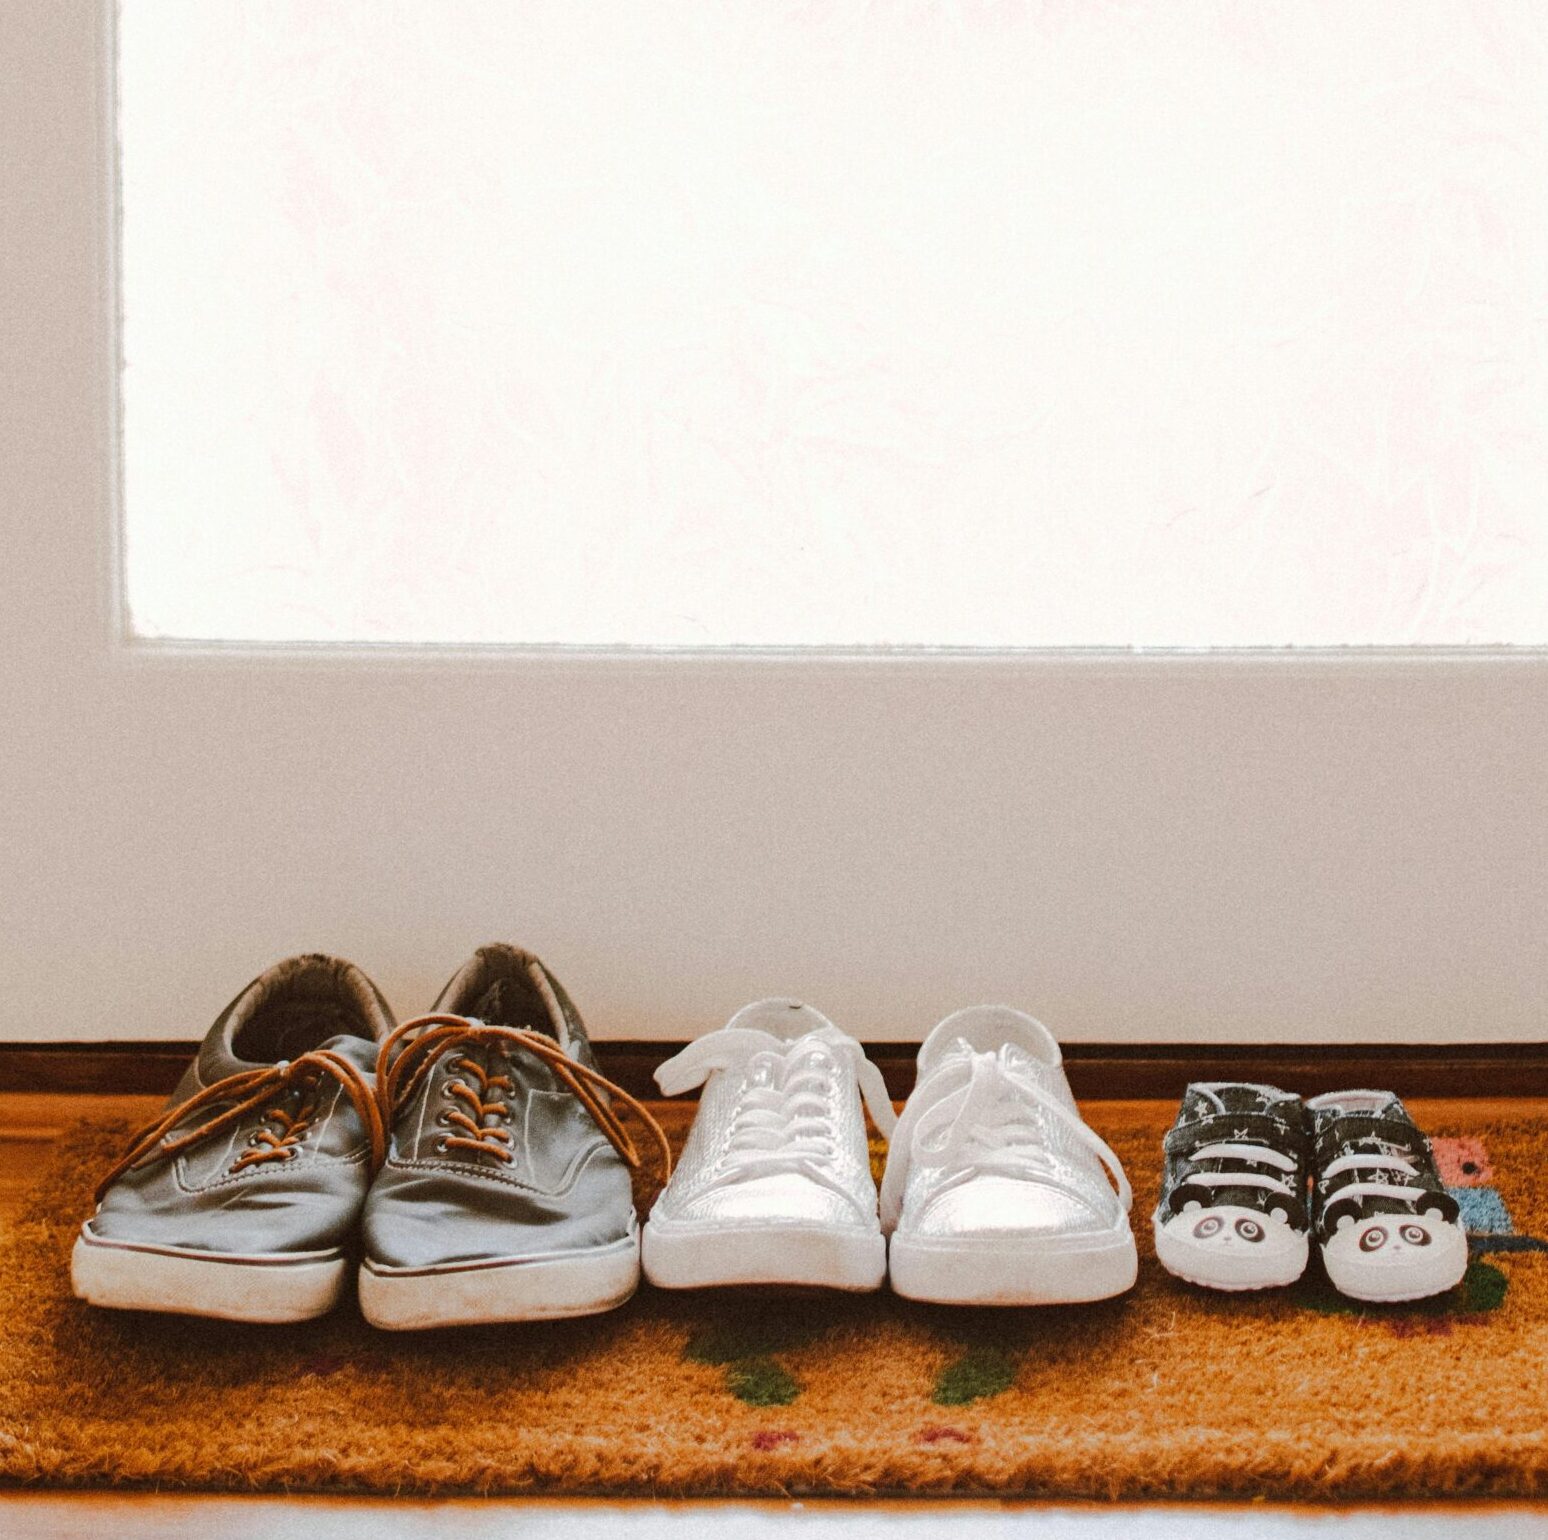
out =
column 1233, row 1212
column 1387, row 1227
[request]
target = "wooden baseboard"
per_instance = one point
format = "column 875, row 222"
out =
column 1098, row 1071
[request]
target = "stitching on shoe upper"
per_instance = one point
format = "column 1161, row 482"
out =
column 239, row 1095
column 502, row 1174
column 409, row 1055
column 360, row 1155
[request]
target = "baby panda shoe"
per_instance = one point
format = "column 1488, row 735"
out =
column 1232, row 1213
column 1388, row 1229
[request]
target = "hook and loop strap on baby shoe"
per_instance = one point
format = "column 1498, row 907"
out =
column 436, row 1035
column 239, row 1096
column 1237, row 1128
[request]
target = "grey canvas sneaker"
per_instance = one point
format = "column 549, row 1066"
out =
column 241, row 1200
column 506, row 1193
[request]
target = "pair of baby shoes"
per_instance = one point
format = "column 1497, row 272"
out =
column 995, row 1191
column 1253, row 1174
column 468, row 1166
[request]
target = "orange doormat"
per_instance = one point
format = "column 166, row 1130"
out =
column 1170, row 1392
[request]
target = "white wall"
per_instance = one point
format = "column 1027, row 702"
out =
column 1226, row 848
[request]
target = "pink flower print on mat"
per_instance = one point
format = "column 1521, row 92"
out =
column 1463, row 1162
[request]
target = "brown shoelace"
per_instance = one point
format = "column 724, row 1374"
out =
column 398, row 1079
column 248, row 1091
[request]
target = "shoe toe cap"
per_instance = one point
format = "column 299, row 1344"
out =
column 1396, row 1256
column 785, row 1198
column 1229, row 1246
column 1007, row 1206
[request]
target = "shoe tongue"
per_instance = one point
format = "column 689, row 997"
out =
column 216, row 1061
column 779, row 1018
column 1013, row 1054
column 1357, row 1103
column 504, row 1005
column 356, row 1049
column 986, row 1029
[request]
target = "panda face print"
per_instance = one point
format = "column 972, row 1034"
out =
column 1394, row 1237
column 1231, row 1229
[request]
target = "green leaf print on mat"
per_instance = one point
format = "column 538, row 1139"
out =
column 980, row 1372
column 745, row 1348
column 992, row 1345
column 762, row 1382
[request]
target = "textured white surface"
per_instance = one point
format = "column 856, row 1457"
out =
column 1002, row 1163
column 713, row 1181
column 953, row 322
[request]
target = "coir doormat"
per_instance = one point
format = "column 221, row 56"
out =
column 1169, row 1392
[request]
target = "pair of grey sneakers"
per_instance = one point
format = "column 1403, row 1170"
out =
column 470, row 1161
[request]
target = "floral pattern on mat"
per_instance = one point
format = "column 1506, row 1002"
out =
column 1168, row 1391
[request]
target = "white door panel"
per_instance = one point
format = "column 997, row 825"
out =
column 1222, row 847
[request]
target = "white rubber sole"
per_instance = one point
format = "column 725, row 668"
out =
column 539, row 1288
column 121, row 1275
column 985, row 1270
column 1279, row 1259
column 695, row 1256
column 1417, row 1278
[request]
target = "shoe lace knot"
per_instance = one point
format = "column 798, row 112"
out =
column 784, row 1119
column 481, row 1120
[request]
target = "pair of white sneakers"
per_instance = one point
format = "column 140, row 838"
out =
column 995, row 1191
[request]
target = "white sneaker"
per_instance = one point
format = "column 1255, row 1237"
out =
column 994, row 1192
column 774, row 1185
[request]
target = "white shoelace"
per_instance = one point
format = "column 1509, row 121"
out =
column 984, row 1124
column 787, row 1125
column 1258, row 1154
column 1374, row 1189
